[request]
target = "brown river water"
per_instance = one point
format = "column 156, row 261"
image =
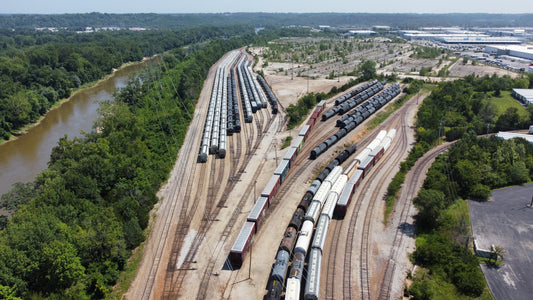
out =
column 22, row 159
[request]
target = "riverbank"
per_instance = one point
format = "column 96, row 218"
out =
column 24, row 130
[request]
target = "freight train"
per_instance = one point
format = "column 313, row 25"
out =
column 258, row 212
column 322, row 193
column 356, row 118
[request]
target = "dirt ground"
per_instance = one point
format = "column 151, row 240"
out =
column 460, row 70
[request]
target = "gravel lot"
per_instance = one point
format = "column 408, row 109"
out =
column 506, row 221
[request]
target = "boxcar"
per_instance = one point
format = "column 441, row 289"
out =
column 282, row 170
column 377, row 153
column 366, row 165
column 298, row 143
column 290, row 155
column 311, row 122
column 306, row 129
column 271, row 188
column 242, row 244
column 320, row 106
column 258, row 212
column 346, row 195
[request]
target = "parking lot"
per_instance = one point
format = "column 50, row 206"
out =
column 507, row 221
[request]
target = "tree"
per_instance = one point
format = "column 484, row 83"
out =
column 62, row 266
column 495, row 253
column 8, row 293
column 368, row 70
column 429, row 203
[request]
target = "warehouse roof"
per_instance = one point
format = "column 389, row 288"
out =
column 512, row 135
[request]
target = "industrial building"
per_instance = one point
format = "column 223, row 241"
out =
column 511, row 135
column 523, row 95
column 362, row 32
column 523, row 51
column 456, row 35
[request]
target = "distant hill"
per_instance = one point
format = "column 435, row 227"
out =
column 175, row 21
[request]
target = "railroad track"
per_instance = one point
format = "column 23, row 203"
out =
column 332, row 261
column 168, row 214
column 393, row 121
column 204, row 283
column 174, row 278
column 398, row 151
column 418, row 172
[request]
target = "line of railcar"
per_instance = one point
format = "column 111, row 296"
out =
column 338, row 189
column 371, row 107
column 354, row 92
column 360, row 166
column 249, row 89
column 258, row 212
column 303, row 220
column 216, row 123
column 368, row 92
column 261, row 99
column 342, row 187
column 247, row 105
column 269, row 94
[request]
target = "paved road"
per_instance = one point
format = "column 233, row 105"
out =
column 507, row 222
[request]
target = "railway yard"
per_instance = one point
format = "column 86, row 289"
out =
column 208, row 198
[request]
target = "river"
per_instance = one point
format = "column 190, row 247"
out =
column 22, row 159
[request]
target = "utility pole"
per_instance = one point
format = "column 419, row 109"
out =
column 488, row 124
column 292, row 70
column 308, row 81
column 250, row 265
column 418, row 97
column 276, row 150
column 255, row 197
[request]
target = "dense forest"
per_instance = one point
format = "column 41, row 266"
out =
column 473, row 166
column 178, row 21
column 74, row 227
column 37, row 69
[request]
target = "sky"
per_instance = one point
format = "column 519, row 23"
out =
column 298, row 6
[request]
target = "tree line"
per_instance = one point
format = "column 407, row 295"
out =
column 347, row 20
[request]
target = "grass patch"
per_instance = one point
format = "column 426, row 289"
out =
column 506, row 101
column 287, row 142
column 439, row 288
column 486, row 261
